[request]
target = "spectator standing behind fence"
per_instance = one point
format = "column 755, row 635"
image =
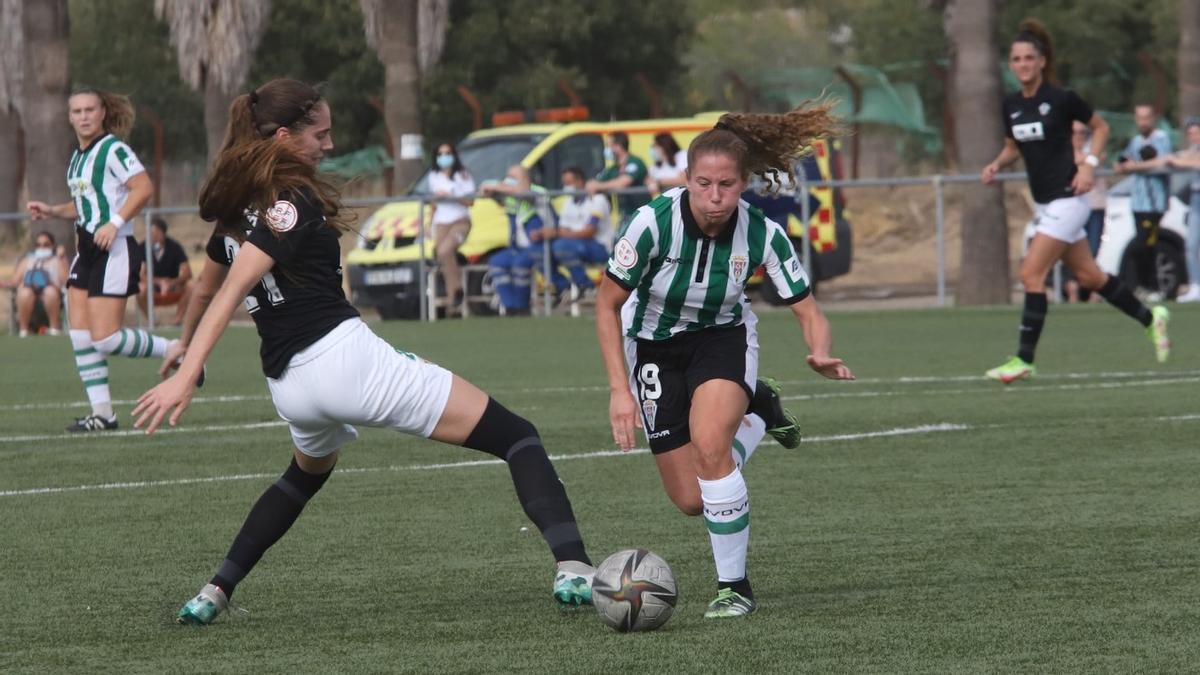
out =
column 1190, row 159
column 449, row 180
column 40, row 274
column 621, row 172
column 1146, row 156
column 584, row 229
column 512, row 268
column 668, row 166
column 172, row 273
column 1097, row 198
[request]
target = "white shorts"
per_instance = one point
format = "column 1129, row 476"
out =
column 352, row 376
column 1063, row 219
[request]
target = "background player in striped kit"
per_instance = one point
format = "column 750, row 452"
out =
column 276, row 249
column 108, row 187
column 675, row 291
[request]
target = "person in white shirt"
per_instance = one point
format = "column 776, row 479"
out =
column 452, row 185
column 584, row 229
column 669, row 164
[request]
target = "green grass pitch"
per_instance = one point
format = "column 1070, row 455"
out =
column 931, row 522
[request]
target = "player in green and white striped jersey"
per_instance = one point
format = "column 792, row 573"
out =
column 108, row 187
column 677, row 278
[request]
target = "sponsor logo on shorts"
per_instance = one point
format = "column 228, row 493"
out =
column 282, row 216
column 624, row 254
column 650, row 410
column 661, row 434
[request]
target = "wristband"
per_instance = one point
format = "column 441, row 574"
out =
column 117, row 220
column 1092, row 161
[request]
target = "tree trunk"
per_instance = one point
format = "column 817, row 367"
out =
column 216, row 117
column 10, row 174
column 970, row 27
column 402, row 90
column 44, row 107
column 1189, row 59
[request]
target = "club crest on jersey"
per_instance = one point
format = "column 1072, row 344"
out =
column 624, row 254
column 282, row 216
column 1044, row 109
column 650, row 410
column 737, row 267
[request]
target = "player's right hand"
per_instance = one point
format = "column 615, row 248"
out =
column 172, row 359
column 38, row 210
column 623, row 414
column 989, row 173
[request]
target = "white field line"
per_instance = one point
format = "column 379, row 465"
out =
column 138, row 432
column 1178, row 418
column 134, row 485
column 997, row 388
column 916, row 379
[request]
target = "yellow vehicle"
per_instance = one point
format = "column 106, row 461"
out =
column 382, row 270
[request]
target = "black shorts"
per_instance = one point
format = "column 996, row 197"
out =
column 114, row 273
column 666, row 373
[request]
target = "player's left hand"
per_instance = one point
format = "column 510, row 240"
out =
column 827, row 366
column 171, row 396
column 1085, row 177
column 105, row 236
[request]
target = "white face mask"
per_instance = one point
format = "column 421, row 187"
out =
column 570, row 188
column 608, row 154
column 43, row 252
column 655, row 155
column 445, row 162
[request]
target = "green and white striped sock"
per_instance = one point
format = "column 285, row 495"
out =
column 727, row 515
column 134, row 343
column 93, row 370
column 749, row 434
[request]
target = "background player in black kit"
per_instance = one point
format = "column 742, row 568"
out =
column 276, row 248
column 1038, row 121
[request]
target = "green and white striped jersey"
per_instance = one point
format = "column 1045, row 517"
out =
column 96, row 177
column 685, row 281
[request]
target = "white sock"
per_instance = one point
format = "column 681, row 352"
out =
column 727, row 515
column 133, row 342
column 93, row 370
column 749, row 434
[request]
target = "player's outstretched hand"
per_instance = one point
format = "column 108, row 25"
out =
column 172, row 359
column 170, row 396
column 834, row 369
column 623, row 413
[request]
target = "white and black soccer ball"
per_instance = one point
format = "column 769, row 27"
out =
column 633, row 590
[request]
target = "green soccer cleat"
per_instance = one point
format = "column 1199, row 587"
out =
column 204, row 608
column 1012, row 370
column 1157, row 331
column 573, row 584
column 729, row 604
column 781, row 423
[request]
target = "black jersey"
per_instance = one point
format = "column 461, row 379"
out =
column 1041, row 126
column 169, row 260
column 301, row 299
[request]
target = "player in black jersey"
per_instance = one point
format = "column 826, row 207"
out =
column 276, row 248
column 1038, row 121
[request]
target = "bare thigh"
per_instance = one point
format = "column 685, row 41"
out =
column 462, row 414
column 1043, row 252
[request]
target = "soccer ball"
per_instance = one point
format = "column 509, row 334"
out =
column 634, row 589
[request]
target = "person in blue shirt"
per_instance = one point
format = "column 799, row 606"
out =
column 1146, row 157
column 512, row 268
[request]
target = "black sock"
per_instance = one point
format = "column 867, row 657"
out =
column 742, row 586
column 1032, row 319
column 270, row 518
column 541, row 493
column 1123, row 299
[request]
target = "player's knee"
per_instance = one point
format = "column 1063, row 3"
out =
column 107, row 345
column 1033, row 281
column 1093, row 280
column 502, row 433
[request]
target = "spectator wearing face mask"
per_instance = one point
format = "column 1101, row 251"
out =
column 172, row 274
column 452, row 185
column 40, row 275
column 621, row 172
column 668, row 164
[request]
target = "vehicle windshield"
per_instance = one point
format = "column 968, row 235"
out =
column 489, row 158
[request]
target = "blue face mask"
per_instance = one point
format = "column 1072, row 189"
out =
column 43, row 252
column 608, row 154
column 445, row 162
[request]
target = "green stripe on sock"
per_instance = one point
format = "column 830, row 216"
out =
column 121, row 344
column 741, row 449
column 731, row 527
column 98, row 364
column 85, row 352
column 137, row 342
column 93, row 383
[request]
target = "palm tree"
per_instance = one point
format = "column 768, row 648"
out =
column 975, row 92
column 215, row 41
column 1189, row 58
column 407, row 36
column 11, row 45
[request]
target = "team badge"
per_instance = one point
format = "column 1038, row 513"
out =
column 624, row 254
column 1044, row 109
column 282, row 216
column 649, row 410
column 737, row 266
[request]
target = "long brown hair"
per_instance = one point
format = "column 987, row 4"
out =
column 1032, row 31
column 118, row 111
column 768, row 144
column 253, row 169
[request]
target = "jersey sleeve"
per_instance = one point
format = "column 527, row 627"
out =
column 1005, row 121
column 123, row 164
column 283, row 228
column 635, row 169
column 783, row 266
column 1077, row 108
column 633, row 251
column 215, row 250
